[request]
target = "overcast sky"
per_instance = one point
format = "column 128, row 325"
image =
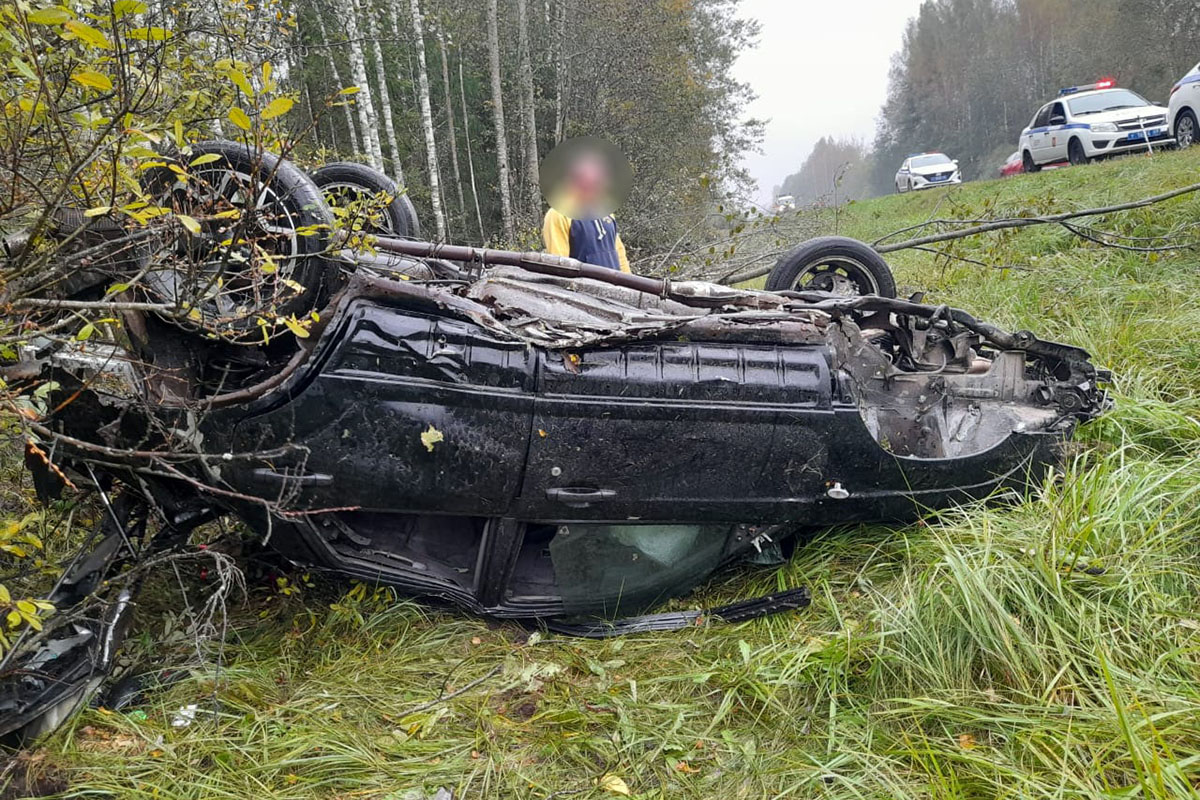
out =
column 820, row 68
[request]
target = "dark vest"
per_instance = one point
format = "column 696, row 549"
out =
column 594, row 241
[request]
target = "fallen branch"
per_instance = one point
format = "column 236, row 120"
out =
column 1007, row 223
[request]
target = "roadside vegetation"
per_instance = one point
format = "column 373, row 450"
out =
column 1045, row 648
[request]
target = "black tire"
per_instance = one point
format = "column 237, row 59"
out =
column 833, row 264
column 1076, row 154
column 345, row 181
column 1027, row 162
column 1185, row 129
column 278, row 267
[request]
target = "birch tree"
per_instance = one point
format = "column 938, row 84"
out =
column 467, row 139
column 528, row 109
column 385, row 102
column 506, row 214
column 355, row 142
column 435, row 189
column 443, row 52
column 366, row 106
column 560, row 69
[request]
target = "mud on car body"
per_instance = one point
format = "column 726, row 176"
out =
column 529, row 437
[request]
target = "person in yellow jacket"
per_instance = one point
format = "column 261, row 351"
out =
column 586, row 235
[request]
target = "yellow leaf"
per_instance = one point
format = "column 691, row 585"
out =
column 92, row 79
column 5, row 597
column 207, row 158
column 154, row 33
column 13, row 619
column 239, row 118
column 123, row 8
column 54, row 15
column 431, row 437
column 190, row 223
column 178, row 133
column 614, row 784
column 87, row 34
column 98, row 211
column 277, row 107
column 26, row 607
column 295, row 327
column 966, row 741
column 241, row 81
column 350, row 90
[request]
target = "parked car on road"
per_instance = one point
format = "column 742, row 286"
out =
column 925, row 171
column 1184, row 108
column 1012, row 165
column 1087, row 122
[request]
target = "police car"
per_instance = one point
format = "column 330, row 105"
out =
column 1086, row 122
column 1185, row 108
column 926, row 170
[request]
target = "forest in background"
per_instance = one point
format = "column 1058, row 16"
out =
column 462, row 98
column 971, row 73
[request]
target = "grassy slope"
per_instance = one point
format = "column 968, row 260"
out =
column 958, row 658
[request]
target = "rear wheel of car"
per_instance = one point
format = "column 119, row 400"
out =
column 388, row 210
column 1076, row 154
column 1028, row 163
column 250, row 249
column 1185, row 129
column 834, row 264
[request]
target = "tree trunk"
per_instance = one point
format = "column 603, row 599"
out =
column 560, row 70
column 385, row 105
column 435, row 188
column 467, row 140
column 366, row 106
column 355, row 144
column 506, row 214
column 533, row 192
column 462, row 206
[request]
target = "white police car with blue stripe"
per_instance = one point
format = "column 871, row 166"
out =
column 1086, row 122
column 1185, row 108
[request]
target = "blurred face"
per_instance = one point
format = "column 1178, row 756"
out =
column 585, row 178
column 588, row 182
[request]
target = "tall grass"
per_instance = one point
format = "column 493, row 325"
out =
column 1042, row 648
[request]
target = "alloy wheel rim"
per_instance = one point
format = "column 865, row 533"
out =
column 842, row 276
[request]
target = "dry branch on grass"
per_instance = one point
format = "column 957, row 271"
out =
column 1063, row 219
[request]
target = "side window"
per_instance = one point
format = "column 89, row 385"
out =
column 1057, row 112
column 1042, row 116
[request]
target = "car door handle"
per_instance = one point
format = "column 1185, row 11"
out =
column 575, row 497
column 266, row 475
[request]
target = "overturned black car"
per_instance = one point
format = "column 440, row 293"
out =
column 526, row 436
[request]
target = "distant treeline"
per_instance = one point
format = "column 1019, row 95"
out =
column 971, row 73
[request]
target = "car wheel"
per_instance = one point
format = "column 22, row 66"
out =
column 1185, row 129
column 834, row 264
column 253, row 252
column 1076, row 154
column 344, row 182
column 1027, row 162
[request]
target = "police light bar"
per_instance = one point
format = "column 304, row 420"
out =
column 1105, row 83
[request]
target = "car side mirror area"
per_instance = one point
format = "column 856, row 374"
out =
column 1058, row 120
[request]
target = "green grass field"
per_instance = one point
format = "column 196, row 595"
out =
column 970, row 656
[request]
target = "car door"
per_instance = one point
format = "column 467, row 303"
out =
column 1039, row 136
column 1057, row 133
column 408, row 411
column 678, row 431
column 902, row 175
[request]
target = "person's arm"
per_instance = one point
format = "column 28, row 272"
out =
column 624, row 259
column 556, row 234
